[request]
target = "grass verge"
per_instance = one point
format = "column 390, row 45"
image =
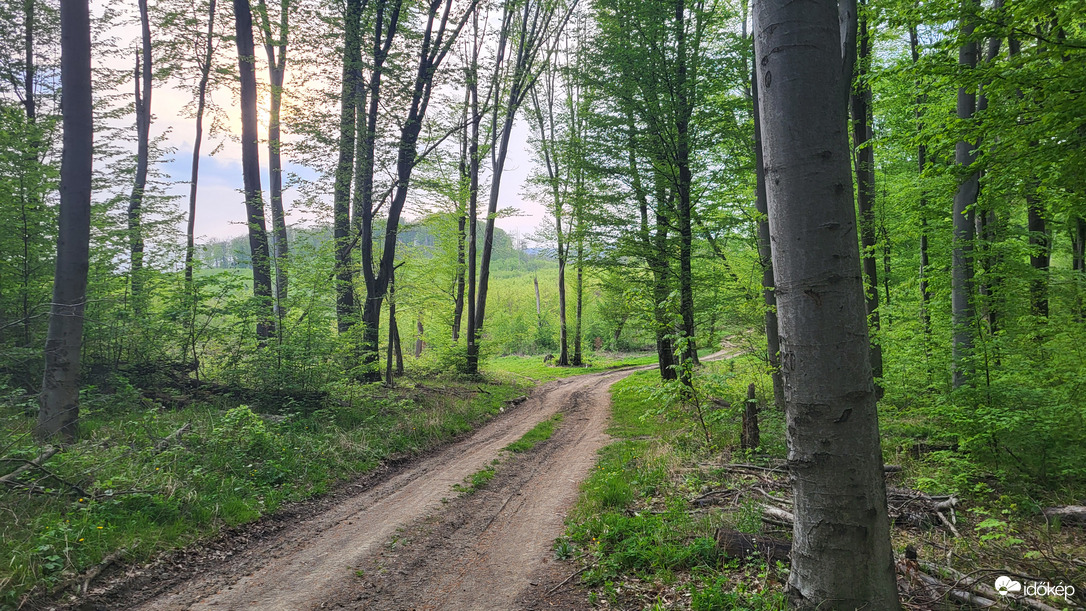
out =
column 633, row 530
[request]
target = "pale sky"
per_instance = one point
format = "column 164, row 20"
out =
column 220, row 206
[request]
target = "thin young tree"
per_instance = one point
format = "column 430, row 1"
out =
column 841, row 554
column 275, row 47
column 59, row 413
column 143, row 141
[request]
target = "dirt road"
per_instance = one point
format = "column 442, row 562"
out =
column 410, row 541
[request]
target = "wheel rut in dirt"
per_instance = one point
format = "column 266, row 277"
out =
column 409, row 542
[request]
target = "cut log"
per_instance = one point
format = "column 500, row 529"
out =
column 739, row 545
column 1069, row 514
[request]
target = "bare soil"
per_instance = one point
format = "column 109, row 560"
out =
column 403, row 537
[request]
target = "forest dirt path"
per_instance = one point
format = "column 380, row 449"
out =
column 410, row 541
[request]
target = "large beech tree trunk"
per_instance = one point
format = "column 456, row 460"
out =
column 250, row 170
column 841, row 555
column 59, row 413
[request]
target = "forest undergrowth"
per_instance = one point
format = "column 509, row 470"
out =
column 659, row 521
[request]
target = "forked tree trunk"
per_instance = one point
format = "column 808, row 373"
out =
column 59, row 413
column 922, row 162
column 841, row 555
column 250, row 169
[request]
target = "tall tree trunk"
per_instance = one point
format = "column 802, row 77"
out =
column 961, row 295
column 389, row 381
column 984, row 219
column 418, row 336
column 860, row 99
column 461, row 222
column 250, row 170
column 578, row 359
column 471, row 351
column 684, row 109
column 765, row 251
column 275, row 46
column 341, row 198
column 841, row 554
column 922, row 162
column 538, row 303
column 143, row 138
column 59, row 413
column 1078, row 264
column 190, row 230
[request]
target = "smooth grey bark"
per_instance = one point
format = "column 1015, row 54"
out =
column 275, row 47
column 862, row 119
column 460, row 281
column 351, row 82
column 143, row 143
column 684, row 109
column 250, row 170
column 841, row 555
column 59, row 413
column 961, row 275
column 1040, row 253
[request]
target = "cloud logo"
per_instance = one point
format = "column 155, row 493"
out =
column 1005, row 585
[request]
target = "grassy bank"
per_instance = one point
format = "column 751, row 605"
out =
column 144, row 479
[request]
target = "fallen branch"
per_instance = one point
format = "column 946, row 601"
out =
column 165, row 442
column 10, row 478
column 779, row 514
column 566, row 580
column 983, row 589
column 84, row 579
column 958, row 594
column 1070, row 514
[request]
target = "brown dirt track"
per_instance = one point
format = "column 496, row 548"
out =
column 405, row 539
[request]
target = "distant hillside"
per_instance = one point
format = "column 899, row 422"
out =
column 234, row 252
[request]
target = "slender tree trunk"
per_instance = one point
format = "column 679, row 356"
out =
column 765, row 252
column 538, row 303
column 143, row 138
column 684, row 109
column 461, row 222
column 341, row 198
column 841, row 554
column 922, row 162
column 577, row 343
column 276, row 49
column 389, row 381
column 860, row 99
column 59, row 413
column 1078, row 264
column 985, row 219
column 250, row 169
column 418, row 336
column 190, row 230
column 1039, row 252
column 471, row 350
column 961, row 296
